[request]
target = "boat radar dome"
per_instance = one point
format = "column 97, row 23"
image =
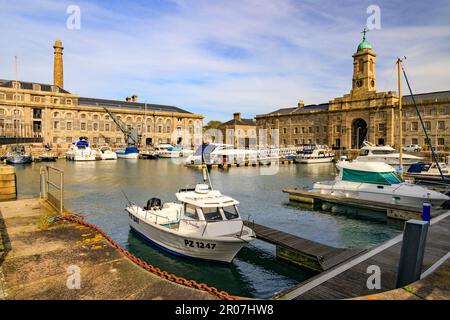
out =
column 202, row 188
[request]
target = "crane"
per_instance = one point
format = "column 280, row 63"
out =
column 132, row 138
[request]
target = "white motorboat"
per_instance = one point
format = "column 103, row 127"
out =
column 372, row 153
column 429, row 171
column 128, row 153
column 379, row 182
column 105, row 153
column 203, row 224
column 166, row 150
column 81, row 151
column 314, row 154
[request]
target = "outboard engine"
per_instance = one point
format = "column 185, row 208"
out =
column 153, row 203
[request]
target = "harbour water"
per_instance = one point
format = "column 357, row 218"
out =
column 95, row 189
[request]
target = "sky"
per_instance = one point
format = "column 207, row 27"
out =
column 217, row 57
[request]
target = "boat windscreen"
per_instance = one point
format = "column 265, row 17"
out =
column 385, row 178
column 230, row 212
column 205, row 148
column 212, row 214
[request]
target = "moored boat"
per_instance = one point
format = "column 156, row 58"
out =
column 128, row 153
column 379, row 182
column 106, row 153
column 18, row 156
column 372, row 153
column 81, row 151
column 203, row 224
column 314, row 154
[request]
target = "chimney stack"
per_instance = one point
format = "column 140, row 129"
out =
column 58, row 64
column 134, row 98
column 237, row 116
column 301, row 104
column 127, row 99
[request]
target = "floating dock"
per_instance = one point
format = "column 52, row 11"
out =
column 349, row 279
column 392, row 210
column 302, row 252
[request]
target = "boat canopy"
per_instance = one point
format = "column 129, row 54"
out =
column 131, row 150
column 210, row 199
column 385, row 178
column 82, row 143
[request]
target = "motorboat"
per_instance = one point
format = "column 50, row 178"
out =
column 379, row 182
column 206, row 152
column 147, row 154
column 314, row 154
column 81, row 151
column 18, row 156
column 202, row 224
column 166, row 150
column 106, row 153
column 130, row 152
column 429, row 171
column 47, row 157
column 372, row 153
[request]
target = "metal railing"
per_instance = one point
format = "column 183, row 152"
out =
column 52, row 189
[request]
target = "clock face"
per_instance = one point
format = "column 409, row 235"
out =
column 359, row 83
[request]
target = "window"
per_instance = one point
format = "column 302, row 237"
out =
column 95, row 126
column 68, row 115
column 37, row 113
column 403, row 126
column 338, row 129
column 37, row 126
column 284, row 131
column 414, row 126
column 191, row 212
column 428, row 125
column 295, row 130
column 69, row 126
column 56, row 115
column 440, row 141
column 83, row 126
column 95, row 140
column 414, row 141
column 16, row 85
column 317, row 129
column 212, row 214
column 83, row 116
column 149, row 128
column 18, row 97
column 55, row 100
column 95, row 117
column 68, row 139
column 68, row 101
column 441, row 125
column 160, row 129
column 180, row 119
column 56, row 125
column 2, row 96
column 106, row 126
column 37, row 99
column 55, row 139
column 2, row 112
column 230, row 212
column 381, row 127
column 118, row 140
column 303, row 129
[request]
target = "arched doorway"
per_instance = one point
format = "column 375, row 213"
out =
column 359, row 133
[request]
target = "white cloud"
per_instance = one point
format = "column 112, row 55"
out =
column 290, row 50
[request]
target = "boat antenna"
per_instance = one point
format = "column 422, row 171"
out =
column 206, row 176
column 428, row 140
column 129, row 202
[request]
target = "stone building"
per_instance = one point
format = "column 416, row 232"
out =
column 239, row 132
column 59, row 117
column 362, row 114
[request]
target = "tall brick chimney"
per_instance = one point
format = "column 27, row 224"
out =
column 134, row 98
column 237, row 116
column 58, row 76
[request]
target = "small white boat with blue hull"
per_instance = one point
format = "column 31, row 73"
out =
column 128, row 153
column 203, row 224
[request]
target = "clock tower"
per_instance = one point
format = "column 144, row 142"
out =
column 363, row 68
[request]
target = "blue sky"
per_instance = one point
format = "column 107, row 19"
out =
column 217, row 57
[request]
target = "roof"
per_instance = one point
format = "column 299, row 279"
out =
column 83, row 101
column 211, row 199
column 242, row 122
column 305, row 109
column 420, row 97
column 29, row 86
column 364, row 45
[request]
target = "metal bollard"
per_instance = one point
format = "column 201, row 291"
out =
column 426, row 211
column 413, row 249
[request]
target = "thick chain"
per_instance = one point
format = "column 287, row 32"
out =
column 155, row 270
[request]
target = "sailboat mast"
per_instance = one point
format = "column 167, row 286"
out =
column 400, row 114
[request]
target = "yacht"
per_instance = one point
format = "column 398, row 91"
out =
column 370, row 152
column 81, row 151
column 148, row 154
column 429, row 171
column 202, row 224
column 106, row 153
column 169, row 151
column 130, row 152
column 18, row 156
column 314, row 154
column 379, row 182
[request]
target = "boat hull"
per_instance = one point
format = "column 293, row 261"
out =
column 80, row 157
column 210, row 249
column 127, row 155
column 314, row 160
column 405, row 194
column 19, row 159
column 393, row 161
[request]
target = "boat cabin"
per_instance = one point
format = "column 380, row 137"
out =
column 369, row 172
